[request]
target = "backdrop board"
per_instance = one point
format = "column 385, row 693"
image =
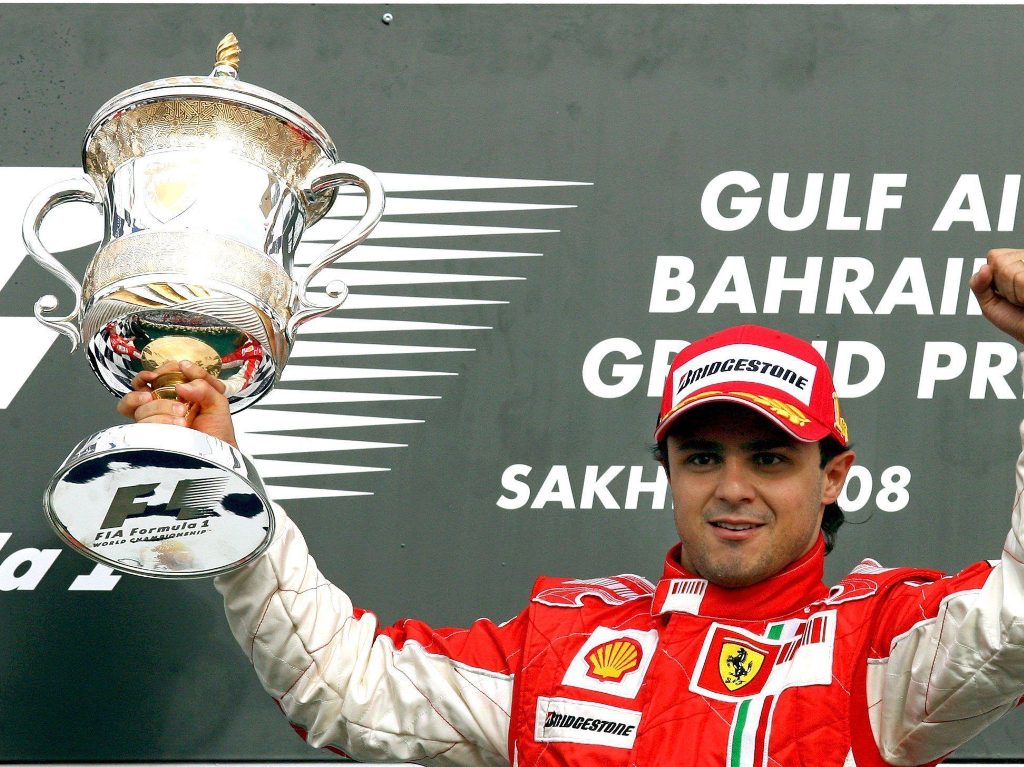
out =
column 574, row 193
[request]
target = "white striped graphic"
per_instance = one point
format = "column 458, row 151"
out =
column 283, row 396
column 359, row 278
column 323, row 325
column 320, row 405
column 319, row 366
column 257, row 444
column 415, row 182
column 330, row 230
column 288, row 493
column 381, row 254
column 352, row 207
column 341, row 349
column 270, row 469
column 359, row 302
column 252, row 421
column 326, row 373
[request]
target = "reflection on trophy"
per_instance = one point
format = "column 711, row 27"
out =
column 206, row 185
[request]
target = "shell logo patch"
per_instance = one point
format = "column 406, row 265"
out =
column 739, row 664
column 613, row 660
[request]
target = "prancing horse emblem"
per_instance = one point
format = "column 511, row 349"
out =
column 739, row 664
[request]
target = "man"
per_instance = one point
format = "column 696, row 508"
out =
column 740, row 655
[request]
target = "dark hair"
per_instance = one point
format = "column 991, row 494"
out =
column 831, row 520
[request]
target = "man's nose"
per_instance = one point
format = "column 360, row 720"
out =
column 735, row 485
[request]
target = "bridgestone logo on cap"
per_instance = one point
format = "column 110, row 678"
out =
column 575, row 721
column 745, row 362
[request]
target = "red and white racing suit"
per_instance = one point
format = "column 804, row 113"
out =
column 896, row 666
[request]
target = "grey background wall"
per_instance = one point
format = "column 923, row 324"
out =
column 646, row 106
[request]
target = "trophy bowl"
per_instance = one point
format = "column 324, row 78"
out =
column 206, row 185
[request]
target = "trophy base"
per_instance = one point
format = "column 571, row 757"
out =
column 161, row 501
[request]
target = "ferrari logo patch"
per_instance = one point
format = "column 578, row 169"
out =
column 739, row 664
column 613, row 660
column 735, row 664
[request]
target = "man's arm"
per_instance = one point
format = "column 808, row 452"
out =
column 406, row 693
column 948, row 655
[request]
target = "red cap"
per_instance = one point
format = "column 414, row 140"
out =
column 780, row 376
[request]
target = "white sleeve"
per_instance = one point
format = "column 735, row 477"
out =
column 406, row 693
column 959, row 665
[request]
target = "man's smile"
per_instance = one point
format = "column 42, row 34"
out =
column 735, row 530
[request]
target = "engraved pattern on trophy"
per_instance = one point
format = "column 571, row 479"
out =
column 207, row 185
column 262, row 139
column 229, row 263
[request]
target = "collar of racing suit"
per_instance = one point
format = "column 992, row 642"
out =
column 797, row 586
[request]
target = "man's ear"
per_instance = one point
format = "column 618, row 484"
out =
column 833, row 476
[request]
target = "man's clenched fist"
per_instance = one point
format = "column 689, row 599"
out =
column 999, row 287
column 201, row 403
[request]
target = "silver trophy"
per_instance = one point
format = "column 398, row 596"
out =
column 206, row 185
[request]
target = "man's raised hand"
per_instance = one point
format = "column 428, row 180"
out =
column 201, row 403
column 999, row 288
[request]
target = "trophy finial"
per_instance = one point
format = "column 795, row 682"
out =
column 228, row 54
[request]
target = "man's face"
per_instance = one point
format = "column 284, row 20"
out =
column 748, row 497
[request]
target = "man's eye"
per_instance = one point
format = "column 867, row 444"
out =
column 768, row 459
column 702, row 459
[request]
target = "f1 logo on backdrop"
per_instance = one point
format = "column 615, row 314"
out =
column 25, row 342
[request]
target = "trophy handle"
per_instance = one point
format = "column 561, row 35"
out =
column 335, row 176
column 72, row 190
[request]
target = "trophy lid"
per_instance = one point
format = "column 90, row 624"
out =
column 219, row 110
